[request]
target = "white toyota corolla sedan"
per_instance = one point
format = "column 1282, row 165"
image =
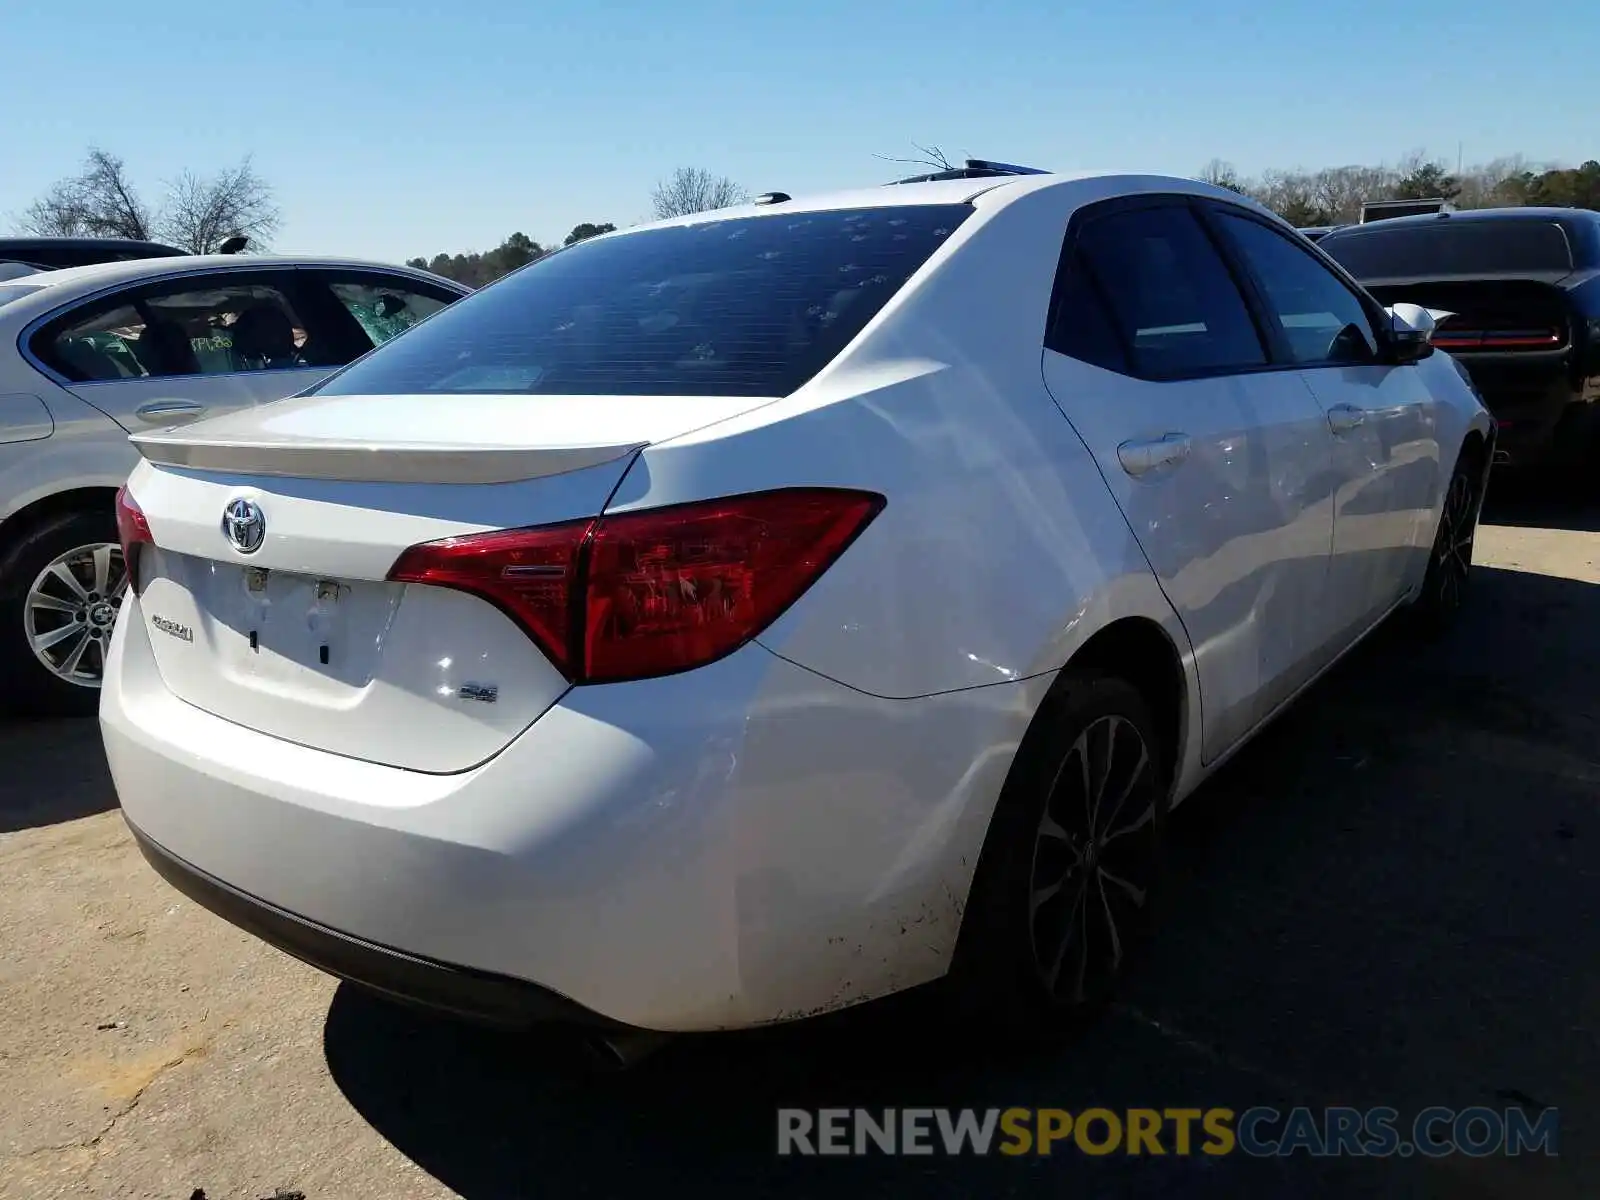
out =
column 748, row 615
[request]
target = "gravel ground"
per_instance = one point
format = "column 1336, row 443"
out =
column 1386, row 900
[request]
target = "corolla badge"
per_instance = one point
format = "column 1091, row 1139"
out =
column 182, row 632
column 244, row 525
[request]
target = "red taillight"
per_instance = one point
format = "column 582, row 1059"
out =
column 527, row 573
column 674, row 588
column 133, row 531
column 637, row 594
column 1457, row 333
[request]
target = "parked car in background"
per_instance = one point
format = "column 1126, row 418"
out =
column 1522, row 290
column 91, row 354
column 58, row 253
column 751, row 614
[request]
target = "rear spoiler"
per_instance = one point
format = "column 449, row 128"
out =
column 360, row 462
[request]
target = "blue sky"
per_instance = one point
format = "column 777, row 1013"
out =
column 407, row 127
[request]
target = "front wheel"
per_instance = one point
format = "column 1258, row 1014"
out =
column 1449, row 574
column 61, row 586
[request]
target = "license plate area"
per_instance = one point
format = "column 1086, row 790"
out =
column 274, row 627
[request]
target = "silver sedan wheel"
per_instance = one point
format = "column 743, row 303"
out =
column 70, row 611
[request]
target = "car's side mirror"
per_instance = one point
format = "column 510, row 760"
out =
column 1411, row 330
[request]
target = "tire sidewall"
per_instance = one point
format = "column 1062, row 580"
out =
column 1432, row 613
column 993, row 972
column 27, row 686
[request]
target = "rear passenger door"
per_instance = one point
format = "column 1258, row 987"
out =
column 1217, row 460
column 178, row 349
column 1385, row 451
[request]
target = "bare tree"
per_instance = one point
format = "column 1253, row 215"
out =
column 694, row 189
column 927, row 156
column 1292, row 195
column 1341, row 191
column 202, row 212
column 199, row 213
column 1494, row 183
column 99, row 201
column 1222, row 174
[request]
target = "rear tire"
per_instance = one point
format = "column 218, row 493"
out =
column 1064, row 894
column 61, row 584
column 1445, row 585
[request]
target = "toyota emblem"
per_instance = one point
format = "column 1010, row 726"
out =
column 244, row 525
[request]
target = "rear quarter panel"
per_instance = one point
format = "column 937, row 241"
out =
column 1000, row 549
column 86, row 449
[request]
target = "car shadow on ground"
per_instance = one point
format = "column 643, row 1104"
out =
column 1386, row 900
column 52, row 771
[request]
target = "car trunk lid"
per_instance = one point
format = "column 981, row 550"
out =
column 266, row 593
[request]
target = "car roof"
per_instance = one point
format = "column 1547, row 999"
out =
column 1475, row 215
column 943, row 191
column 996, row 191
column 132, row 270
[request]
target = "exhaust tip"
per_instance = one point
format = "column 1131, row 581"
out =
column 613, row 1052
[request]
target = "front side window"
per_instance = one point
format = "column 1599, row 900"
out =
column 1171, row 299
column 1321, row 320
column 734, row 306
column 188, row 328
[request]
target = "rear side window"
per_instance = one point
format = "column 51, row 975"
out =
column 1446, row 246
column 1168, row 295
column 382, row 308
column 746, row 306
column 221, row 326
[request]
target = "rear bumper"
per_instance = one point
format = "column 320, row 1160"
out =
column 1542, row 420
column 474, row 995
column 733, row 846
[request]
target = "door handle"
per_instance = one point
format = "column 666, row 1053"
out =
column 1342, row 418
column 169, row 410
column 1142, row 456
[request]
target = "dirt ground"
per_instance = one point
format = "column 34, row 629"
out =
column 1388, row 899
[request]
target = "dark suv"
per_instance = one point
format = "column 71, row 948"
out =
column 1522, row 287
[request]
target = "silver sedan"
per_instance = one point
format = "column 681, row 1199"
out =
column 89, row 355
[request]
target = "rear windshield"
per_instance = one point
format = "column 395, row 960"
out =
column 745, row 306
column 1448, row 247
